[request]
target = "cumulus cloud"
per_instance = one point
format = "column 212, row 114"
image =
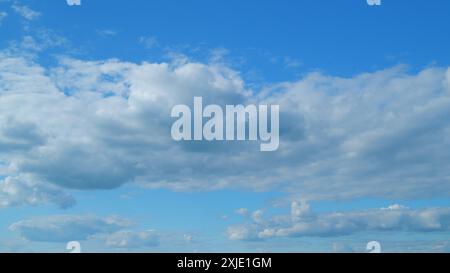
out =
column 23, row 190
column 394, row 218
column 100, row 124
column 66, row 228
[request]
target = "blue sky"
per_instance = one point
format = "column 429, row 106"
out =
column 85, row 148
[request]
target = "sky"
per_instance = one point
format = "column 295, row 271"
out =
column 86, row 155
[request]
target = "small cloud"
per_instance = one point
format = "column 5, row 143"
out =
column 257, row 216
column 148, row 42
column 218, row 55
column 299, row 210
column 106, row 32
column 131, row 239
column 242, row 211
column 73, row 2
column 188, row 238
column 292, row 63
column 242, row 233
column 26, row 12
column 395, row 207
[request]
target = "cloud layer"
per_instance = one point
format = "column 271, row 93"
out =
column 100, row 124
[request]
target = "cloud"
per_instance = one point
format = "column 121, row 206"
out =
column 394, row 218
column 26, row 12
column 149, row 42
column 111, row 231
column 242, row 233
column 291, row 63
column 67, row 228
column 73, row 2
column 16, row 135
column 19, row 191
column 100, row 124
column 242, row 211
column 133, row 239
column 106, row 32
column 188, row 238
column 41, row 40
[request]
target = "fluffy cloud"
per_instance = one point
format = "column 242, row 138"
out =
column 393, row 218
column 18, row 191
column 101, row 124
column 67, row 228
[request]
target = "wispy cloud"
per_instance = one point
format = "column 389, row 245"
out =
column 106, row 32
column 149, row 42
column 26, row 12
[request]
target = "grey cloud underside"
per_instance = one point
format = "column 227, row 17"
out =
column 113, row 231
column 98, row 125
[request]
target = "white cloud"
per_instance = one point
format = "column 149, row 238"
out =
column 73, row 2
column 395, row 207
column 26, row 12
column 242, row 211
column 292, row 63
column 257, row 216
column 19, row 191
column 149, row 42
column 397, row 218
column 241, row 233
column 133, row 239
column 101, row 124
column 299, row 209
column 67, row 228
